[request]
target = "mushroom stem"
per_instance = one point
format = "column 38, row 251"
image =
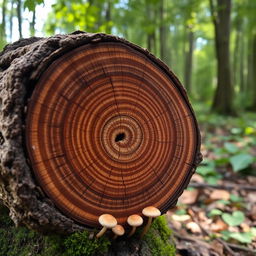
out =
column 132, row 231
column 103, row 230
column 146, row 228
column 115, row 237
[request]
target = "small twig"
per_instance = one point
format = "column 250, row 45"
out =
column 225, row 245
column 225, row 187
column 241, row 248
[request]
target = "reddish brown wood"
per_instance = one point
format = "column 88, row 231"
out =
column 90, row 124
column 108, row 131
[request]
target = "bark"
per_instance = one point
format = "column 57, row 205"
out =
column 223, row 98
column 21, row 65
column 189, row 62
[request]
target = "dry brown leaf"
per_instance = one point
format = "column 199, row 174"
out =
column 197, row 178
column 181, row 217
column 245, row 227
column 218, row 194
column 253, row 212
column 218, row 225
column 252, row 180
column 233, row 229
column 189, row 196
column 251, row 197
column 217, row 247
column 176, row 224
column 193, row 227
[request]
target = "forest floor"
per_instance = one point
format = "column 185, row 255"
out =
column 216, row 215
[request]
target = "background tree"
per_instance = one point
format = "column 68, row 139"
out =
column 223, row 98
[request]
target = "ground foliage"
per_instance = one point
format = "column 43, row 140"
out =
column 218, row 210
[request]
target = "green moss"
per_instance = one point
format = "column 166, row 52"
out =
column 79, row 244
column 159, row 238
column 23, row 242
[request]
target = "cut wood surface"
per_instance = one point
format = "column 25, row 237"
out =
column 102, row 127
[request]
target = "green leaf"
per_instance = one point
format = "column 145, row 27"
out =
column 181, row 212
column 241, row 161
column 230, row 147
column 215, row 212
column 242, row 237
column 234, row 219
column 253, row 231
column 235, row 198
column 31, row 4
column 206, row 170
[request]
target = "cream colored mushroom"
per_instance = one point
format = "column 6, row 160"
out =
column 107, row 221
column 118, row 230
column 150, row 212
column 134, row 221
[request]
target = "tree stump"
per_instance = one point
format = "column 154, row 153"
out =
column 91, row 124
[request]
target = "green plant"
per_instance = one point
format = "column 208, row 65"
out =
column 234, row 219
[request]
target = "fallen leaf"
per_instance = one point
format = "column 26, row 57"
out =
column 234, row 219
column 245, row 227
column 252, row 180
column 252, row 213
column 193, row 227
column 251, row 197
column 181, row 217
column 197, row 178
column 217, row 247
column 218, row 225
column 218, row 194
column 189, row 196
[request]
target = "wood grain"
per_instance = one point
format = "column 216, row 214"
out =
column 109, row 131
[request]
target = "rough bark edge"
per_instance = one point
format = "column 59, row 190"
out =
column 21, row 65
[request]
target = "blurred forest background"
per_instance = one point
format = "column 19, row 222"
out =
column 211, row 46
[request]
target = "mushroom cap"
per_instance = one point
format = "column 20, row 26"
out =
column 151, row 211
column 107, row 220
column 135, row 220
column 118, row 230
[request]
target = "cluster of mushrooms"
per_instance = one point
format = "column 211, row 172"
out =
column 109, row 221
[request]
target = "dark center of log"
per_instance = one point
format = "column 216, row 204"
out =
column 120, row 137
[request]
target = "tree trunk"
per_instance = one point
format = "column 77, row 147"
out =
column 19, row 15
column 253, row 73
column 3, row 25
column 10, row 19
column 163, row 31
column 32, row 23
column 189, row 62
column 223, row 99
column 70, row 105
column 108, row 16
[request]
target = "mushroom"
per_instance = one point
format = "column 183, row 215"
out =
column 134, row 221
column 107, row 221
column 150, row 212
column 118, row 230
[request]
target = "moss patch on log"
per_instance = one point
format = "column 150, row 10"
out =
column 21, row 241
column 159, row 238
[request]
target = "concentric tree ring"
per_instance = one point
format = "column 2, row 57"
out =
column 109, row 130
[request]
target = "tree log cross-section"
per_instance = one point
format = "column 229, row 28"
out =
column 91, row 124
